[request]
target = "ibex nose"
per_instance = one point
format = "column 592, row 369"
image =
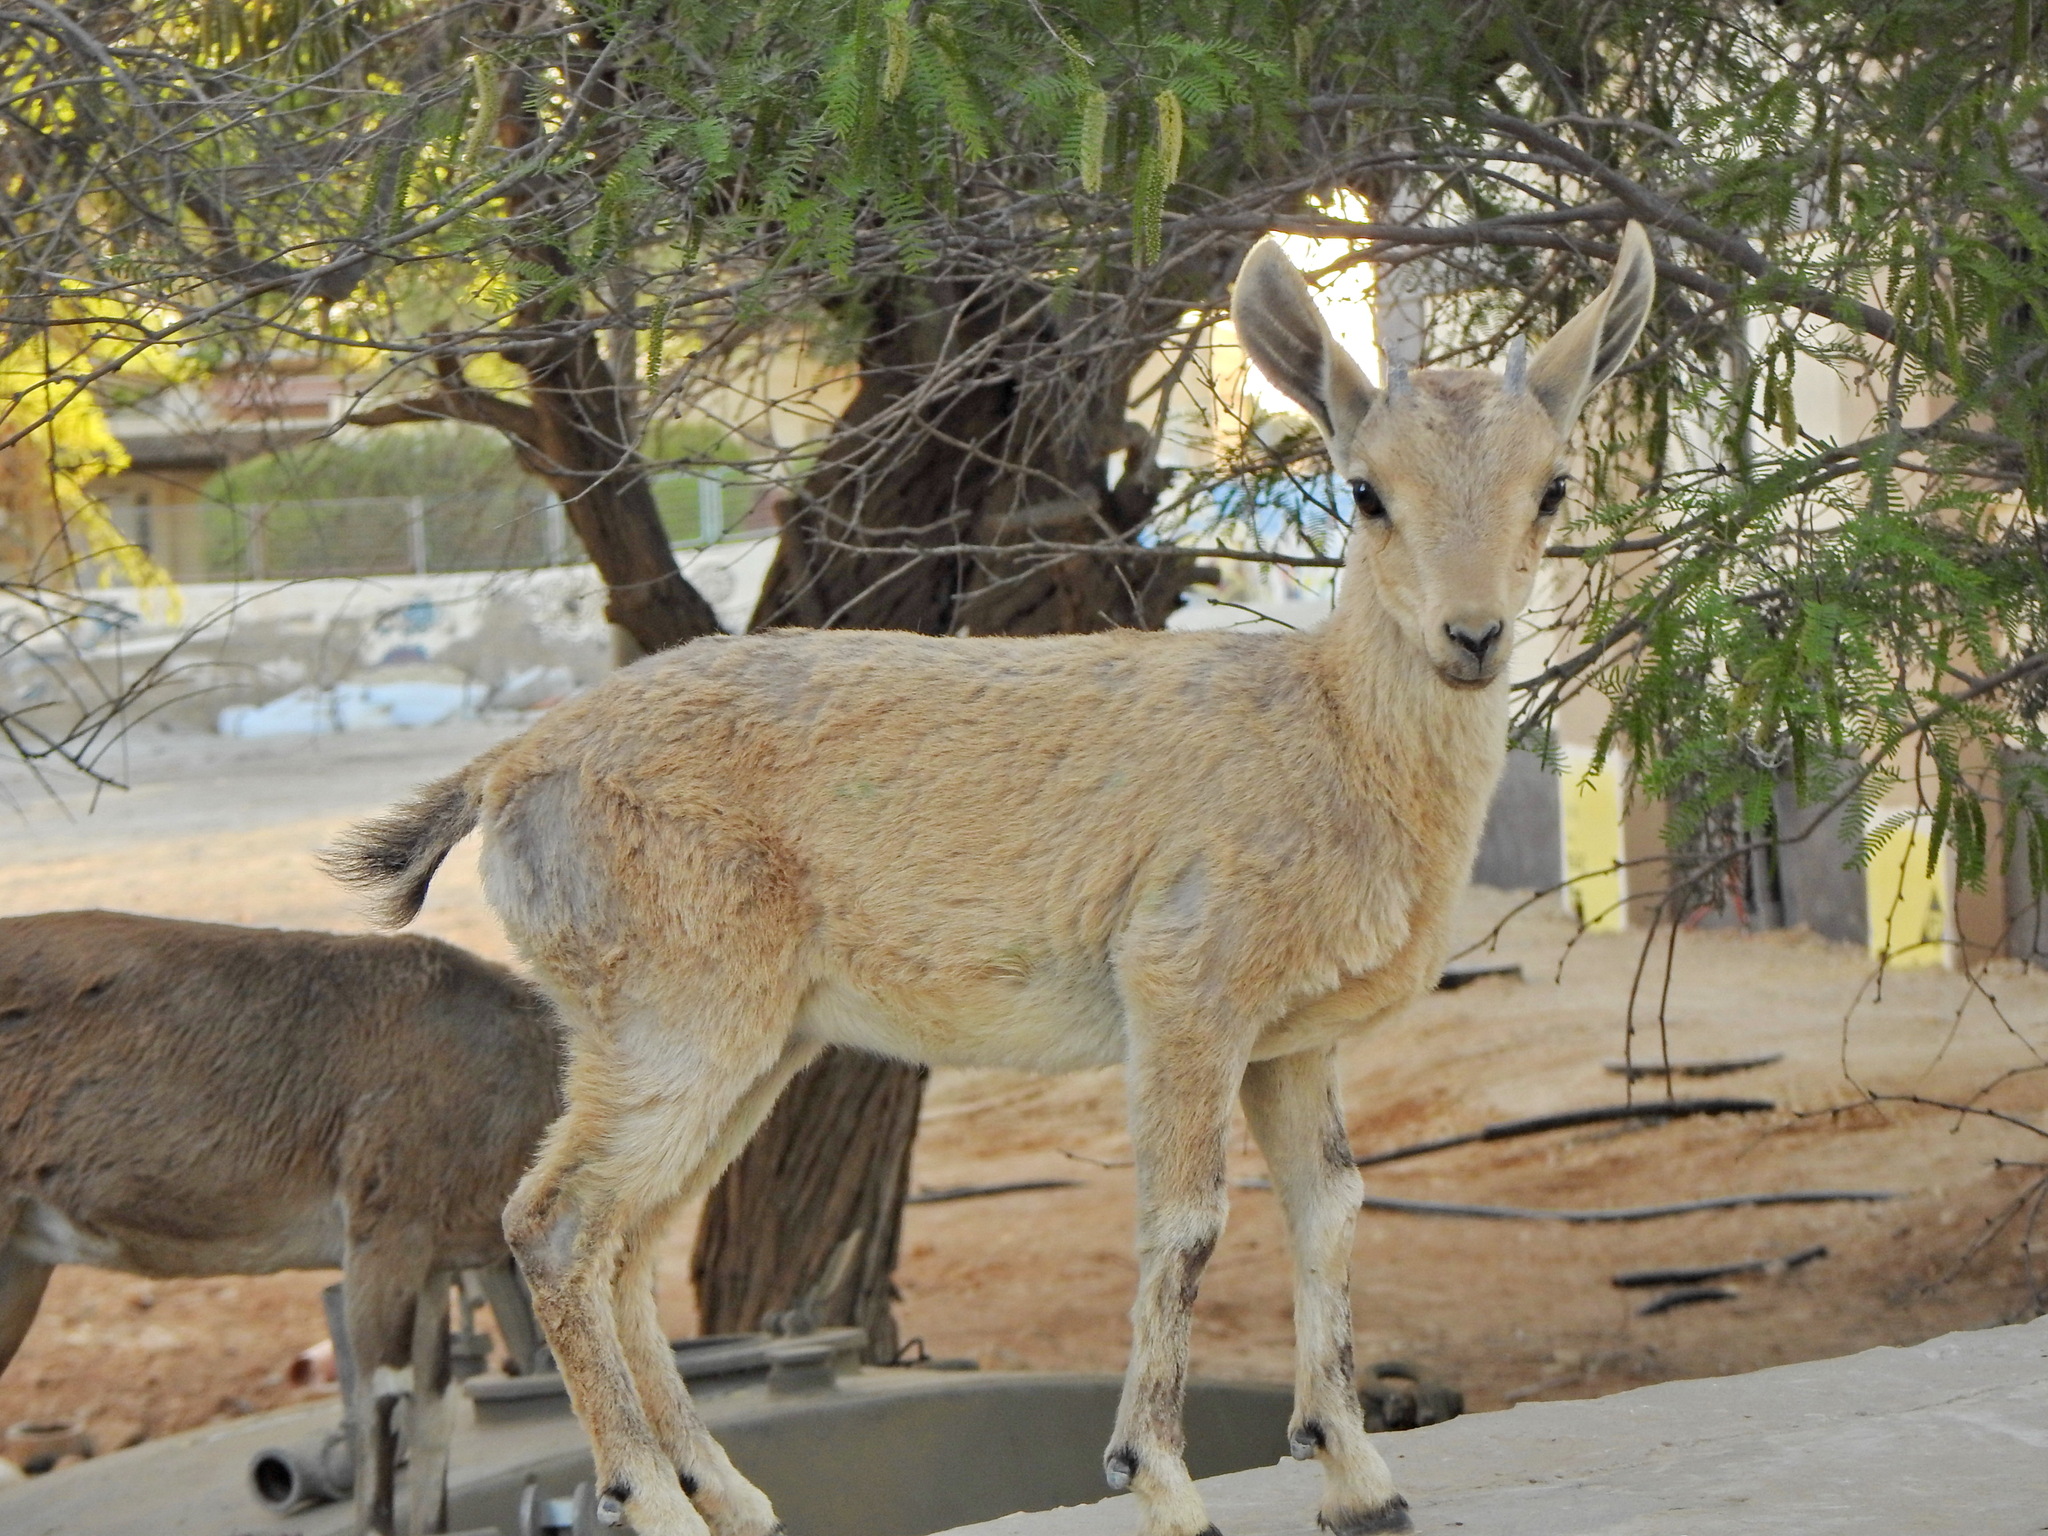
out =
column 1476, row 642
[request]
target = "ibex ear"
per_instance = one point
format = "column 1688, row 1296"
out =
column 1281, row 330
column 1597, row 340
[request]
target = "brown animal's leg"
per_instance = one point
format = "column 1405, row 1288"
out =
column 512, row 1310
column 647, row 1103
column 428, row 1426
column 21, row 1291
column 1180, row 1088
column 730, row 1504
column 380, row 1294
column 1292, row 1105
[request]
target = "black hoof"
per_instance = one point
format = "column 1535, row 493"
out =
column 1120, row 1468
column 1391, row 1516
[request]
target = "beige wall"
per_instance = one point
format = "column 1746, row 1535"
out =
column 160, row 511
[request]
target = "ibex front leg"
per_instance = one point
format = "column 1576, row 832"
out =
column 1292, row 1104
column 1180, row 1088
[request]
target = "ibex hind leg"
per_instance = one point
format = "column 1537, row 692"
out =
column 428, row 1427
column 512, row 1312
column 1294, row 1112
column 381, row 1285
column 730, row 1504
column 678, row 995
column 648, row 1103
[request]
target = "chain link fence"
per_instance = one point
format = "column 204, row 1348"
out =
column 399, row 535
column 380, row 536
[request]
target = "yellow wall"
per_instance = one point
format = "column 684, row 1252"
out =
column 1592, row 843
column 170, row 529
column 1908, row 905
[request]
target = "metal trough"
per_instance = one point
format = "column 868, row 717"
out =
column 898, row 1452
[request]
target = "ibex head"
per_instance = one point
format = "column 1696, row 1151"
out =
column 1457, row 473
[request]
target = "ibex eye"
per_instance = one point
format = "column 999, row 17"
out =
column 1370, row 507
column 1553, row 498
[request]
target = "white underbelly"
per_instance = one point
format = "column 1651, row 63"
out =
column 310, row 1239
column 1035, row 1027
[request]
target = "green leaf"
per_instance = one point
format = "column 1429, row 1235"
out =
column 896, row 58
column 488, row 88
column 1148, row 204
column 657, row 339
column 1169, row 133
column 1094, row 133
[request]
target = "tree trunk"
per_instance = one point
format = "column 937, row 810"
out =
column 939, row 454
column 574, row 433
column 922, row 460
column 833, row 1162
column 584, row 446
column 576, row 429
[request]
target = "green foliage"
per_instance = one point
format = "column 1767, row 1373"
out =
column 1830, row 597
column 1853, row 604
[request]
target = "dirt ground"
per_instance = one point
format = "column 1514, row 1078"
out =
column 1506, row 1310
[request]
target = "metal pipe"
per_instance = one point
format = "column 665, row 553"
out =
column 289, row 1478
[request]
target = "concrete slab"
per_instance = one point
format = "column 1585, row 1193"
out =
column 1948, row 1438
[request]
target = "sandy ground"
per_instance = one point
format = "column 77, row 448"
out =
column 1506, row 1310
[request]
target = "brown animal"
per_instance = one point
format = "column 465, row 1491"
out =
column 196, row 1099
column 1211, row 857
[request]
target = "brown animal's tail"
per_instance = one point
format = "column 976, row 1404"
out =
column 392, row 858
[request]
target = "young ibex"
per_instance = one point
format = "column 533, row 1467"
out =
column 195, row 1099
column 1210, row 857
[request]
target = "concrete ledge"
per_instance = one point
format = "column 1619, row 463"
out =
column 1948, row 1438
column 882, row 1453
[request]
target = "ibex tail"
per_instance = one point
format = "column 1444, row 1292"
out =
column 392, row 858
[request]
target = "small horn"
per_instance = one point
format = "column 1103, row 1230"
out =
column 1516, row 379
column 1397, row 380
